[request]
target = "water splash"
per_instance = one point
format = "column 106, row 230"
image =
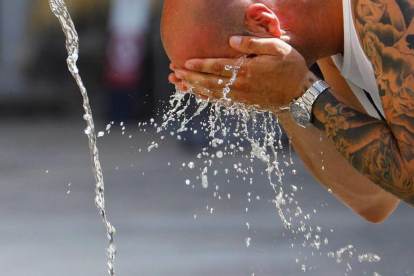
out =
column 369, row 257
column 60, row 10
column 262, row 130
column 248, row 118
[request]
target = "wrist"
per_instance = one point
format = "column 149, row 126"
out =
column 302, row 109
column 307, row 82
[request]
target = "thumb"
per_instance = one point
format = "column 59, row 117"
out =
column 260, row 46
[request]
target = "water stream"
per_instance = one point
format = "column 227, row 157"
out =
column 60, row 10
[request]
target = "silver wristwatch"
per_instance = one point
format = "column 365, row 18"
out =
column 301, row 109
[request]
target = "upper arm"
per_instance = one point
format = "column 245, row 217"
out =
column 386, row 32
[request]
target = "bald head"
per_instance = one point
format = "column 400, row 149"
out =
column 201, row 28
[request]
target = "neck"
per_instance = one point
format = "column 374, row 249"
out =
column 315, row 28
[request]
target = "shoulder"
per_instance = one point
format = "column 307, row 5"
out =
column 386, row 31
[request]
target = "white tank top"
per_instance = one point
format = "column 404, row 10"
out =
column 357, row 69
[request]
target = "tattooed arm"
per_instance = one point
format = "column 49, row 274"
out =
column 368, row 144
column 381, row 151
column 323, row 160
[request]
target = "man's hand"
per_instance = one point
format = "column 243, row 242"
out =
column 272, row 75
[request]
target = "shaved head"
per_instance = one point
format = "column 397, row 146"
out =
column 201, row 28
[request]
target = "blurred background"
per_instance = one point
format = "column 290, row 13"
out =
column 121, row 51
column 167, row 223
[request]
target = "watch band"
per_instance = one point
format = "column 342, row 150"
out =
column 301, row 109
column 314, row 92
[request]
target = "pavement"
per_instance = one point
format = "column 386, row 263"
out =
column 164, row 226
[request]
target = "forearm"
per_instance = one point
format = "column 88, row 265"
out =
column 347, row 184
column 368, row 144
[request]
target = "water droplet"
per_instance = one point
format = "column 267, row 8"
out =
column 191, row 165
column 219, row 154
column 101, row 134
column 204, row 181
column 152, row 146
column 248, row 240
column 369, row 257
column 187, row 182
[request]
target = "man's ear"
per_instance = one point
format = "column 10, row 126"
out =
column 262, row 20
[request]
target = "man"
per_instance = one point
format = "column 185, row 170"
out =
column 368, row 138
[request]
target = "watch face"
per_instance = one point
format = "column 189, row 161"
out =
column 300, row 114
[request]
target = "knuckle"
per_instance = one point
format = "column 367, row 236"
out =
column 198, row 67
column 250, row 44
column 217, row 68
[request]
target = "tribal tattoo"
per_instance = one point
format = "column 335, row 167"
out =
column 382, row 151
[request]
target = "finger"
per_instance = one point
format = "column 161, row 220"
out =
column 214, row 95
column 240, row 87
column 260, row 46
column 173, row 67
column 173, row 79
column 201, row 96
column 207, row 81
column 219, row 67
column 182, row 87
